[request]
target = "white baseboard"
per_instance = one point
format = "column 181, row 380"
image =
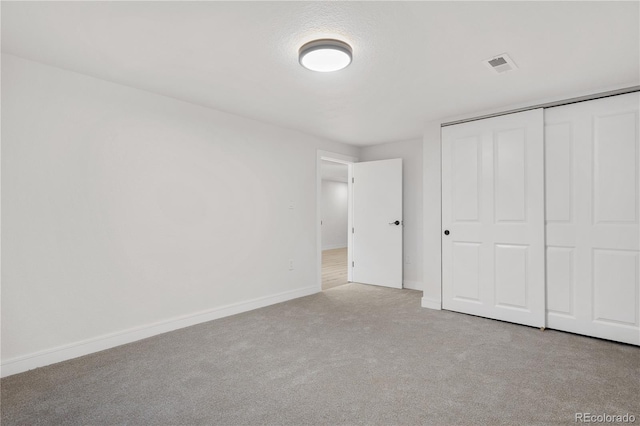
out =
column 100, row 343
column 334, row 246
column 431, row 303
column 413, row 285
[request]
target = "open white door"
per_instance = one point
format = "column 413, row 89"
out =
column 493, row 262
column 377, row 223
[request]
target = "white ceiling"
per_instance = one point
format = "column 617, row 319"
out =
column 413, row 61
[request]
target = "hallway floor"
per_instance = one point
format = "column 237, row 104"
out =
column 334, row 268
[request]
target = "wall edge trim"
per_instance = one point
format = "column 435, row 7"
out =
column 95, row 344
column 412, row 285
column 431, row 303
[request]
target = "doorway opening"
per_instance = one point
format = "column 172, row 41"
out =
column 334, row 198
column 334, row 223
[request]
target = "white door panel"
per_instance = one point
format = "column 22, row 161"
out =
column 592, row 174
column 493, row 207
column 377, row 239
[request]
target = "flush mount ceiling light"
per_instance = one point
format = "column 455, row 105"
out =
column 325, row 55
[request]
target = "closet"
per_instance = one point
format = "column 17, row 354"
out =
column 540, row 213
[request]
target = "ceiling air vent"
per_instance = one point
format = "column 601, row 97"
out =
column 501, row 63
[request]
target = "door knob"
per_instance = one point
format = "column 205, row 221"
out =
column 397, row 222
column 446, row 232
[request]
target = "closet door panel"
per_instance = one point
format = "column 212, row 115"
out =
column 592, row 181
column 493, row 218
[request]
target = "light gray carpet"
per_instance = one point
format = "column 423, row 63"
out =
column 354, row 354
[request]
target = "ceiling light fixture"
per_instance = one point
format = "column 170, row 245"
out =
column 325, row 55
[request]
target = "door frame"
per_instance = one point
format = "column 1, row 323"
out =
column 342, row 159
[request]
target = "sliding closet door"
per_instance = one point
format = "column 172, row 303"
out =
column 493, row 218
column 592, row 178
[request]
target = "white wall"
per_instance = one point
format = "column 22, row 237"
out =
column 411, row 153
column 334, row 214
column 126, row 214
column 432, row 207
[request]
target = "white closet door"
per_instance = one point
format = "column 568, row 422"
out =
column 493, row 211
column 592, row 178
